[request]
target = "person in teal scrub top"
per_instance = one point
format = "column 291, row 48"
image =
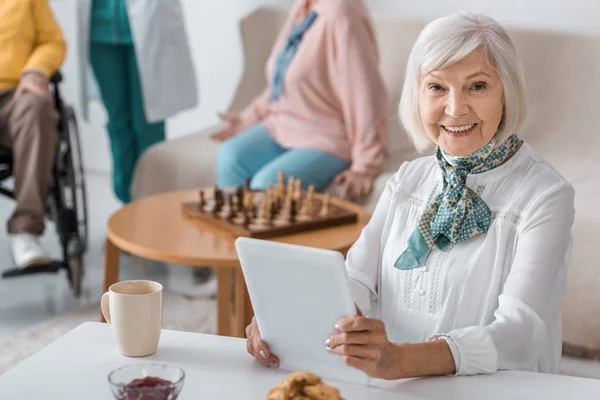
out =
column 120, row 32
column 114, row 64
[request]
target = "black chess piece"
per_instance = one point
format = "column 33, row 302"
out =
column 230, row 212
column 292, row 212
column 239, row 193
column 215, row 200
column 247, row 219
column 202, row 202
column 219, row 201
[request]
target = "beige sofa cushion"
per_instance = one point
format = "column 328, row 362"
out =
column 563, row 77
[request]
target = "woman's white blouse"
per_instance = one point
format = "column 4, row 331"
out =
column 497, row 298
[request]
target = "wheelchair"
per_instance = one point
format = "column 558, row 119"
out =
column 66, row 205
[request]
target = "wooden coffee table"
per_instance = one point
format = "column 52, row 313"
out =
column 156, row 228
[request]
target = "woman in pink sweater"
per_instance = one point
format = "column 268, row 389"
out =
column 322, row 116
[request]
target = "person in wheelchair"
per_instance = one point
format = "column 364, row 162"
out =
column 32, row 49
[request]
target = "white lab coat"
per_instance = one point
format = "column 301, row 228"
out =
column 164, row 60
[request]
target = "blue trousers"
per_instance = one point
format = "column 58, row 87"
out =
column 254, row 154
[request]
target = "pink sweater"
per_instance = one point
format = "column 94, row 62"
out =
column 334, row 99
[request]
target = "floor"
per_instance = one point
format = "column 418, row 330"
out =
column 30, row 300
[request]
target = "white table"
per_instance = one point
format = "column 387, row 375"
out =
column 76, row 366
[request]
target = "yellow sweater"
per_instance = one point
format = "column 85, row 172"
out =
column 30, row 39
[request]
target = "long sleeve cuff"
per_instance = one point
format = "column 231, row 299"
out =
column 249, row 117
column 361, row 290
column 473, row 350
column 369, row 158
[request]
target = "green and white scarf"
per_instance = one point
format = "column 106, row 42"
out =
column 457, row 214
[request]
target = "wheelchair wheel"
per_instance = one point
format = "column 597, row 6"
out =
column 74, row 260
column 68, row 204
column 71, row 245
column 74, row 182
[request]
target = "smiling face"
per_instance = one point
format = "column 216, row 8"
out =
column 461, row 105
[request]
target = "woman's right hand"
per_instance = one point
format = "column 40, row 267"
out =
column 234, row 124
column 259, row 349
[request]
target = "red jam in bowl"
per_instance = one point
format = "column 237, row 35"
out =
column 148, row 388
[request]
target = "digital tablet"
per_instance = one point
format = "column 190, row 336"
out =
column 298, row 294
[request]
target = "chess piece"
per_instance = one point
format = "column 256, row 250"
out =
column 263, row 213
column 272, row 212
column 280, row 200
column 239, row 192
column 298, row 190
column 245, row 202
column 280, row 187
column 247, row 185
column 325, row 205
column 263, row 210
column 202, row 202
column 292, row 211
column 219, row 201
column 306, row 209
column 214, row 203
column 289, row 201
column 247, row 219
column 303, row 214
column 249, row 204
column 230, row 210
column 309, row 199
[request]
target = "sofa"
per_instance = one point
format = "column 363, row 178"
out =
column 563, row 78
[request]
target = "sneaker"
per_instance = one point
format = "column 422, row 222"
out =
column 27, row 250
column 202, row 274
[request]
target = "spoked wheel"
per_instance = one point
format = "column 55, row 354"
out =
column 76, row 181
column 71, row 204
column 74, row 260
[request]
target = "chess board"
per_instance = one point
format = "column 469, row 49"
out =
column 250, row 221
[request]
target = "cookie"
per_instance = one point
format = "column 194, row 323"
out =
column 275, row 394
column 303, row 386
column 303, row 378
column 322, row 391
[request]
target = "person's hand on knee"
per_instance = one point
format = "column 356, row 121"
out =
column 234, row 126
column 354, row 184
column 34, row 83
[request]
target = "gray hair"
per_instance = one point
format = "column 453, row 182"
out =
column 444, row 42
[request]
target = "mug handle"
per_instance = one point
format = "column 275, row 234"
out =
column 104, row 305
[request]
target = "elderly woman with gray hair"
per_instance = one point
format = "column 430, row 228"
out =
column 462, row 268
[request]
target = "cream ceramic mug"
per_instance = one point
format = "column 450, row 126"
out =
column 134, row 310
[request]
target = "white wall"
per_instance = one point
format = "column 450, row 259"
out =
column 212, row 26
column 580, row 16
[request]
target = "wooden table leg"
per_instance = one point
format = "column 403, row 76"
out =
column 225, row 278
column 241, row 301
column 111, row 267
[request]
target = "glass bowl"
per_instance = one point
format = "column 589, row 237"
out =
column 146, row 382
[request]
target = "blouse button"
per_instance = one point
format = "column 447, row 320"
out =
column 421, row 292
column 425, row 269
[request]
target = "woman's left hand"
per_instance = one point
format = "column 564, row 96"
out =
column 354, row 184
column 363, row 344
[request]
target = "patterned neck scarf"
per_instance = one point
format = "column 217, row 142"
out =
column 287, row 53
column 457, row 214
